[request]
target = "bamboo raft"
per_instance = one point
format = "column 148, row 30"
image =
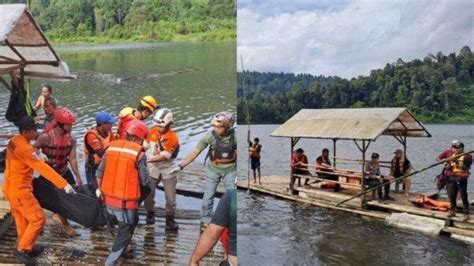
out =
column 277, row 186
column 151, row 244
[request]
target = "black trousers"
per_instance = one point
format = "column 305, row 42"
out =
column 370, row 183
column 455, row 185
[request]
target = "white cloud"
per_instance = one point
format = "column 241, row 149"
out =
column 349, row 39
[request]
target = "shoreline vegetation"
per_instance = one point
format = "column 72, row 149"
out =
column 134, row 21
column 437, row 89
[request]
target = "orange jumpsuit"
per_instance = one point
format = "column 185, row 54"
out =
column 21, row 160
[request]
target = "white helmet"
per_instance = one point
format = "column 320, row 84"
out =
column 163, row 117
column 223, row 119
column 455, row 143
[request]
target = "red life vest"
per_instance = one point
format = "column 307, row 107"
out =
column 121, row 182
column 58, row 152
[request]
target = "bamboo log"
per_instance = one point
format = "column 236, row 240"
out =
column 358, row 160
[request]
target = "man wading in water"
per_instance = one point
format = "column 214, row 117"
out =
column 222, row 165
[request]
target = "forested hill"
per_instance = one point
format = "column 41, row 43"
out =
column 134, row 20
column 436, row 89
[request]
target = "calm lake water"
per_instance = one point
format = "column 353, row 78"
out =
column 277, row 232
column 195, row 80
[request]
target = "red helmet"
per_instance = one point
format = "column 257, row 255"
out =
column 64, row 116
column 137, row 128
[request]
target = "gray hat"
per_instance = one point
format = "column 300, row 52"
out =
column 398, row 151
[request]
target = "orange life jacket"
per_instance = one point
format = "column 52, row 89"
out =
column 431, row 204
column 121, row 182
column 456, row 167
column 90, row 157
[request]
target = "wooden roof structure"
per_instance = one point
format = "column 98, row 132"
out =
column 24, row 47
column 352, row 124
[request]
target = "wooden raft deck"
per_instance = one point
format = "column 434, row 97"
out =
column 192, row 180
column 278, row 186
column 152, row 244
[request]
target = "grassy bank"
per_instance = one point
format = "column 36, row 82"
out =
column 215, row 36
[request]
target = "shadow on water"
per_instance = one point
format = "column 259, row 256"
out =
column 278, row 232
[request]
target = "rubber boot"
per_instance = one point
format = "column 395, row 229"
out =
column 171, row 223
column 36, row 251
column 150, row 218
column 24, row 257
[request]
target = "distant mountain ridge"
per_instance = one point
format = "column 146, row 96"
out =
column 437, row 89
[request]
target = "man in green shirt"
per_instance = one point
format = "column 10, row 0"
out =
column 222, row 164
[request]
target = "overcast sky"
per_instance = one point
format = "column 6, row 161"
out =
column 348, row 38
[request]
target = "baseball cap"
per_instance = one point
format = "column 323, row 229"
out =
column 104, row 117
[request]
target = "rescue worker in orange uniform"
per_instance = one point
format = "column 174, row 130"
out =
column 164, row 144
column 120, row 176
column 146, row 106
column 21, row 160
column 59, row 146
column 96, row 142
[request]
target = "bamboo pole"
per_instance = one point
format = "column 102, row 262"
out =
column 402, row 177
column 248, row 125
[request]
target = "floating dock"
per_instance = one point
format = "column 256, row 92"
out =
column 278, row 186
column 151, row 244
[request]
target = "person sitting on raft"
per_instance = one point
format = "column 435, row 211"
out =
column 299, row 164
column 400, row 166
column 323, row 163
column 372, row 177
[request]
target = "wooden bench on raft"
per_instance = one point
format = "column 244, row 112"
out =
column 352, row 178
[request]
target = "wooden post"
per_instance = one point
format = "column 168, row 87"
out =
column 334, row 151
column 363, row 149
column 292, row 177
column 362, row 199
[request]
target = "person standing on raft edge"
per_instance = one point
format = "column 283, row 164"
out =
column 254, row 153
column 458, row 174
column 21, row 160
column 222, row 165
column 146, row 106
column 121, row 176
column 59, row 146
